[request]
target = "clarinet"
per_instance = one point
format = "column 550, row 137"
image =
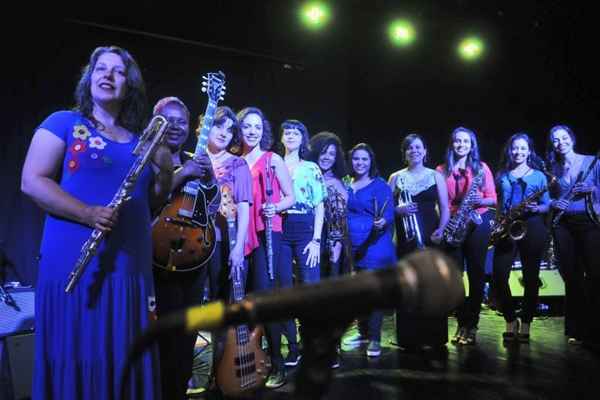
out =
column 154, row 132
column 268, row 224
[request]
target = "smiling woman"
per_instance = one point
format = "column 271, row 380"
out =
column 114, row 300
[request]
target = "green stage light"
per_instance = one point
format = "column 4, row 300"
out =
column 402, row 33
column 315, row 14
column 471, row 48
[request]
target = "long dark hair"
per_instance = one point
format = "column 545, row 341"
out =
column 554, row 158
column 221, row 115
column 473, row 159
column 319, row 145
column 407, row 141
column 506, row 163
column 134, row 107
column 267, row 137
column 304, row 149
column 373, row 171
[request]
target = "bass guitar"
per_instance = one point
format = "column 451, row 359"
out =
column 243, row 367
column 183, row 235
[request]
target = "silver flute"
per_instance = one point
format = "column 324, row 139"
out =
column 149, row 141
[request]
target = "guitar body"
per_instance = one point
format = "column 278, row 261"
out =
column 183, row 234
column 244, row 366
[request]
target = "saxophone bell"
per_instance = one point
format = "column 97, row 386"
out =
column 517, row 230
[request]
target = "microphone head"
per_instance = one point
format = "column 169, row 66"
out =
column 432, row 282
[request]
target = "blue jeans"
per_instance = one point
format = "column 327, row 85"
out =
column 298, row 230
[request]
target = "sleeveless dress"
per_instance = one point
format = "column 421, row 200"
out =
column 83, row 337
column 415, row 331
column 424, row 193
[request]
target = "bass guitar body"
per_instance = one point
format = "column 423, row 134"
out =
column 184, row 234
column 244, row 366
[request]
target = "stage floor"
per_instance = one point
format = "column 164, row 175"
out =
column 546, row 368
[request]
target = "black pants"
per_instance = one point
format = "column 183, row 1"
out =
column 531, row 250
column 176, row 291
column 259, row 280
column 470, row 256
column 576, row 242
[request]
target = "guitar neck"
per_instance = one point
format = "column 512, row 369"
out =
column 207, row 123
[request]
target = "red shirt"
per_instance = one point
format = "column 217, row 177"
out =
column 256, row 222
column 459, row 182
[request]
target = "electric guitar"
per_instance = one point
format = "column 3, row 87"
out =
column 244, row 366
column 183, row 235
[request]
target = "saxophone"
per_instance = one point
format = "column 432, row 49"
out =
column 511, row 224
column 456, row 230
column 149, row 141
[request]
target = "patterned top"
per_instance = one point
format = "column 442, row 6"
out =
column 403, row 180
column 309, row 188
column 459, row 182
column 514, row 190
column 235, row 182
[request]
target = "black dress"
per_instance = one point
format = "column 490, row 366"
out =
column 415, row 331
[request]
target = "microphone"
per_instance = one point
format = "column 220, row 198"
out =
column 425, row 282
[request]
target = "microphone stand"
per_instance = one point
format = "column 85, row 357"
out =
column 320, row 341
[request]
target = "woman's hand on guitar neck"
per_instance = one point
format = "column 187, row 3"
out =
column 236, row 257
column 198, row 167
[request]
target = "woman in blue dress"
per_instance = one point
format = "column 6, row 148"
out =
column 83, row 337
column 370, row 227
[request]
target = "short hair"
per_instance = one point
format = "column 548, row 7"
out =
column 222, row 113
column 407, row 141
column 305, row 145
column 162, row 103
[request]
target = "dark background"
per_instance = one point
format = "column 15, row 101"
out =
column 538, row 70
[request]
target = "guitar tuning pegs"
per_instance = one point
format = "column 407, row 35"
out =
column 203, row 90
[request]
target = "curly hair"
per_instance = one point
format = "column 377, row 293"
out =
column 319, row 145
column 266, row 142
column 132, row 115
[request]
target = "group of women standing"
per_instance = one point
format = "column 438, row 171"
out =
column 297, row 205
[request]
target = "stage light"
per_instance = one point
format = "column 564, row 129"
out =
column 471, row 48
column 315, row 14
column 402, row 33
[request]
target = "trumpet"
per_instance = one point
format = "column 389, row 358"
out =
column 144, row 150
column 410, row 223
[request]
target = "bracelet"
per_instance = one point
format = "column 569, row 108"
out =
column 316, row 240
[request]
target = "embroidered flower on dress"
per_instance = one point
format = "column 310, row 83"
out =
column 97, row 142
column 73, row 165
column 78, row 146
column 81, row 132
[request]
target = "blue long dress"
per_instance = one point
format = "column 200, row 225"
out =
column 83, row 337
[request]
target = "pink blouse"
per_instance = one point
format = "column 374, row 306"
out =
column 459, row 181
